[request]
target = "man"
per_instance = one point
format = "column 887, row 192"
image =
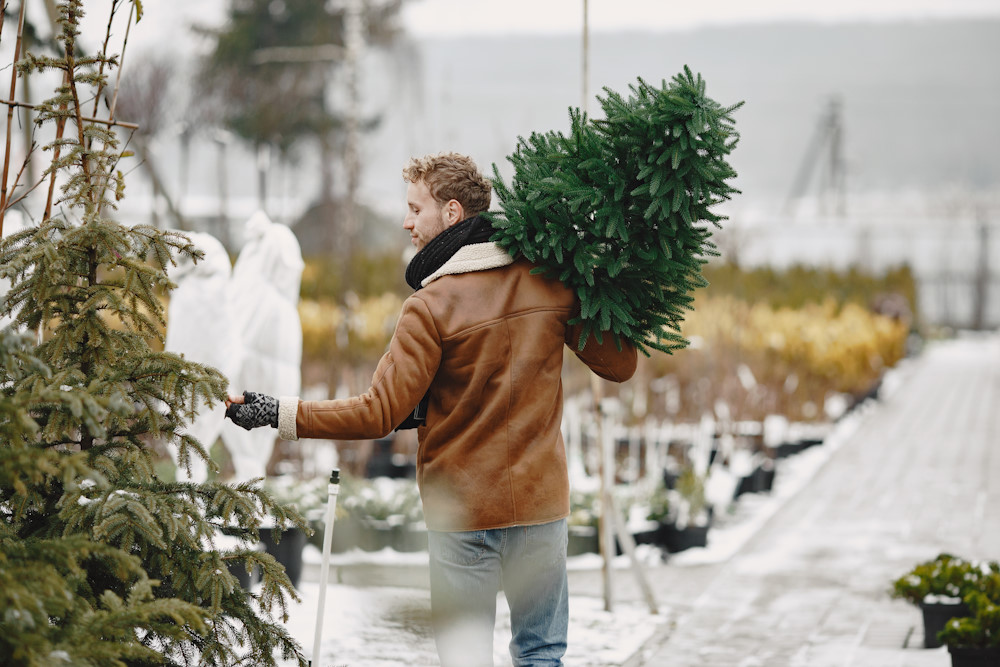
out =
column 478, row 349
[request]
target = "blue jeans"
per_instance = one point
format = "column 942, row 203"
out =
column 468, row 570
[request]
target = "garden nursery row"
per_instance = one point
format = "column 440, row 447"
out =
column 673, row 481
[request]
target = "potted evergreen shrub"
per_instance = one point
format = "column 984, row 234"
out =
column 582, row 522
column 939, row 586
column 693, row 516
column 974, row 640
column 389, row 515
column 660, row 511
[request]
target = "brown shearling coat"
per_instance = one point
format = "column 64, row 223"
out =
column 488, row 347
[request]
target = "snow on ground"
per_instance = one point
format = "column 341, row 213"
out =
column 384, row 626
column 732, row 528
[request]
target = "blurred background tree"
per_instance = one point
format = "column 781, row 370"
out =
column 271, row 75
column 144, row 97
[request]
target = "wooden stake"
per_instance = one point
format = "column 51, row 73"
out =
column 610, row 519
column 10, row 113
column 17, row 179
column 628, row 546
column 604, row 536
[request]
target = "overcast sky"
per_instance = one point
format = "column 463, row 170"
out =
column 167, row 21
column 450, row 17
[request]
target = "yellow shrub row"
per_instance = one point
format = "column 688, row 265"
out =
column 849, row 346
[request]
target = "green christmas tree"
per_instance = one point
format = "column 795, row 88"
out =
column 620, row 210
column 102, row 561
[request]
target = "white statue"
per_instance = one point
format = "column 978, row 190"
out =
column 200, row 325
column 264, row 296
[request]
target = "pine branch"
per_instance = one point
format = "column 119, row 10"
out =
column 615, row 209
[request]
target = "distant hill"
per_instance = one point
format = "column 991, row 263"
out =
column 921, row 100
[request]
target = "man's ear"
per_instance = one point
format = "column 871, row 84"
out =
column 454, row 212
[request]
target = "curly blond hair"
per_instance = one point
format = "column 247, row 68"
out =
column 451, row 176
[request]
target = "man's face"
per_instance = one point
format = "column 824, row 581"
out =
column 425, row 217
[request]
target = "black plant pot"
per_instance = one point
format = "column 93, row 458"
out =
column 582, row 540
column 974, row 656
column 408, row 538
column 375, row 534
column 763, row 477
column 787, row 449
column 745, row 485
column 660, row 535
column 651, row 536
column 680, row 539
column 587, row 540
column 936, row 615
column 346, row 535
column 287, row 550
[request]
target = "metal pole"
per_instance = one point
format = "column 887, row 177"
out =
column 332, row 490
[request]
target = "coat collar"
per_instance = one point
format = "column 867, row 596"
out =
column 473, row 257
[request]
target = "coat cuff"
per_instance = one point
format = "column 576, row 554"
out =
column 288, row 410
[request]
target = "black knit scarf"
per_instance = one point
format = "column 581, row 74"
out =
column 443, row 246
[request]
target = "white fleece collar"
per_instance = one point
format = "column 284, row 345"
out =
column 474, row 257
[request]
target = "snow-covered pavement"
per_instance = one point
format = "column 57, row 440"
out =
column 387, row 626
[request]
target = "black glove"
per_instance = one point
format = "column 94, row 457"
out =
column 255, row 410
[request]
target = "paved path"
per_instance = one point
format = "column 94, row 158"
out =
column 920, row 475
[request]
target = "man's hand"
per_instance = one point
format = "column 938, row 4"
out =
column 252, row 410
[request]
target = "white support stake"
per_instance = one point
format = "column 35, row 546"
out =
column 332, row 490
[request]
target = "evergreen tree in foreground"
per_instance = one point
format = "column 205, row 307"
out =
column 619, row 209
column 102, row 562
